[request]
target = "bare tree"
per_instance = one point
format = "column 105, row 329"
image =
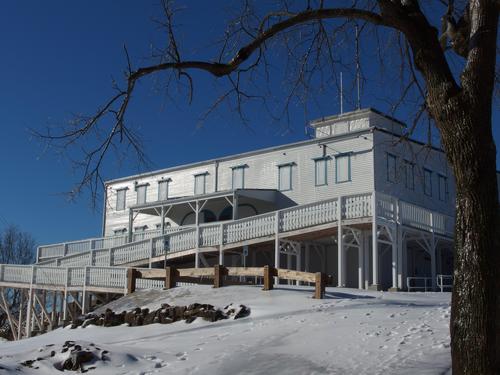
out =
column 16, row 247
column 452, row 71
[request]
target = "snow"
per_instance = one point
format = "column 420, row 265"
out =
column 287, row 332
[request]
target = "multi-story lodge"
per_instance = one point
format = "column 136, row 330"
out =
column 360, row 201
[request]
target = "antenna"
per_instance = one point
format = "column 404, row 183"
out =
column 358, row 104
column 341, row 95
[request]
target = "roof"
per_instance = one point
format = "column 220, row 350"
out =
column 357, row 113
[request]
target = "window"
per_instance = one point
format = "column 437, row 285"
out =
column 285, row 177
column 141, row 193
column 320, row 171
column 120, row 231
column 163, row 187
column 442, row 187
column 343, row 168
column 391, row 168
column 167, row 225
column 140, row 229
column 120, row 199
column 428, row 182
column 409, row 175
column 200, row 183
column 239, row 177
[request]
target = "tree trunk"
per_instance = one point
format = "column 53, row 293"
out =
column 474, row 319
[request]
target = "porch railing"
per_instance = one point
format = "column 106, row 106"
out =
column 65, row 277
column 69, row 248
column 259, row 226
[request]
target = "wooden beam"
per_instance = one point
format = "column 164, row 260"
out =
column 219, row 273
column 320, row 284
column 44, row 310
column 171, row 276
column 269, row 274
column 14, row 325
column 131, row 280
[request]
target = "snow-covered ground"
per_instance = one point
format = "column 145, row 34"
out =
column 288, row 332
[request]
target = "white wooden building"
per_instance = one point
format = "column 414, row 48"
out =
column 356, row 154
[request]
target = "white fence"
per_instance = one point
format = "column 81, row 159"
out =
column 65, row 277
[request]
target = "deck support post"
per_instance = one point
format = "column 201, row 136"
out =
column 340, row 246
column 307, row 257
column 375, row 282
column 197, row 221
column 276, row 243
column 394, row 257
column 298, row 260
column 361, row 261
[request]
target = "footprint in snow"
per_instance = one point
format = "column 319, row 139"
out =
column 181, row 356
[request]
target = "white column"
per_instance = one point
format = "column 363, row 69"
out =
column 400, row 258
column 221, row 255
column 307, row 257
column 374, row 242
column 298, row 263
column 433, row 262
column 366, row 251
column 361, row 262
column 394, row 241
column 276, row 241
column 340, row 247
column 197, row 222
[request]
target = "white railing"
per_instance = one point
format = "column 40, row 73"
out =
column 259, row 226
column 70, row 277
column 308, row 215
column 444, row 282
column 75, row 247
column 106, row 277
column 409, row 214
column 248, row 228
column 149, row 284
column 418, row 283
column 16, row 273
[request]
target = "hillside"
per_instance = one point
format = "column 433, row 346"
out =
column 288, row 332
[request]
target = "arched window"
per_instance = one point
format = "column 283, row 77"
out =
column 206, row 216
column 244, row 210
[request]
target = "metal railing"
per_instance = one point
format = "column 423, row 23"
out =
column 444, row 282
column 420, row 283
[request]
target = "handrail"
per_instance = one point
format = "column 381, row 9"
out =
column 425, row 287
column 233, row 231
column 97, row 243
column 440, row 282
column 65, row 277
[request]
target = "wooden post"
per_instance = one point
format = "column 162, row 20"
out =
column 219, row 273
column 131, row 278
column 320, row 284
column 269, row 273
column 170, row 277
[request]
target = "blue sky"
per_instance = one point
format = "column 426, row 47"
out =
column 58, row 58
